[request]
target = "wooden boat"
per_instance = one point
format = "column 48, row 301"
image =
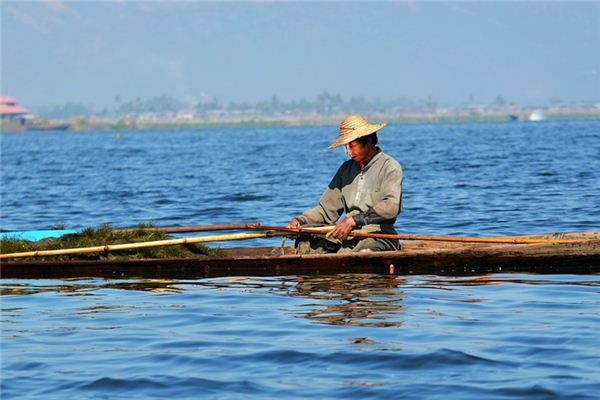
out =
column 39, row 125
column 574, row 253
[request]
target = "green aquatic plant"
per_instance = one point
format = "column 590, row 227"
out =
column 106, row 235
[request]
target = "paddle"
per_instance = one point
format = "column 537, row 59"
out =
column 272, row 231
column 130, row 246
column 34, row 236
column 192, row 228
column 327, row 229
column 320, row 230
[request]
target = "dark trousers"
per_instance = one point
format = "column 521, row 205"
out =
column 319, row 244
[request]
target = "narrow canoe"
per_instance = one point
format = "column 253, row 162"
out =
column 416, row 257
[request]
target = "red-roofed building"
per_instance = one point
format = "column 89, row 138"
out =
column 10, row 108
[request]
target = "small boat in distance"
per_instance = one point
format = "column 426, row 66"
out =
column 41, row 125
column 535, row 116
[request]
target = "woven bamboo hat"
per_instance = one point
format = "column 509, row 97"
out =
column 354, row 127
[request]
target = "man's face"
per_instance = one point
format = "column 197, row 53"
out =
column 357, row 151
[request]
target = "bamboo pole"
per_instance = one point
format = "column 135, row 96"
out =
column 327, row 229
column 139, row 245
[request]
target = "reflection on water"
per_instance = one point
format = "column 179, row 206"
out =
column 442, row 282
column 358, row 335
column 347, row 299
column 352, row 299
column 343, row 299
column 78, row 288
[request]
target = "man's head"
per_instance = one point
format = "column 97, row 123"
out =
column 354, row 127
column 362, row 149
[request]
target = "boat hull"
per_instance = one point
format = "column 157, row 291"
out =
column 415, row 258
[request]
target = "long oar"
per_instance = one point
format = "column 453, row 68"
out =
column 139, row 245
column 34, row 236
column 192, row 228
column 325, row 230
column 271, row 231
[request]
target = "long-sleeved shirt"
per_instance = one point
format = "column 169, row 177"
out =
column 372, row 194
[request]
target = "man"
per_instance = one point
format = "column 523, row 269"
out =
column 367, row 189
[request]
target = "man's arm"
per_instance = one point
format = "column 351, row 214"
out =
column 330, row 205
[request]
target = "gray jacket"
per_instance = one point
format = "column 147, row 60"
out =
column 372, row 195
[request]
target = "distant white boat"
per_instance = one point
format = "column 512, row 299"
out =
column 537, row 115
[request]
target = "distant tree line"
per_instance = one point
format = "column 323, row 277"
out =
column 323, row 104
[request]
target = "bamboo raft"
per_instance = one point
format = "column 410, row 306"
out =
column 565, row 253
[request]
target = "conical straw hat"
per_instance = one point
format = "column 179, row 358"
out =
column 353, row 127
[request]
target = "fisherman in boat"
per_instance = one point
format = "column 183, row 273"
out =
column 367, row 189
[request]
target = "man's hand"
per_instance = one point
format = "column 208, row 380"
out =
column 294, row 223
column 342, row 228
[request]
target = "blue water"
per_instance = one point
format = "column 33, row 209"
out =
column 340, row 336
column 343, row 336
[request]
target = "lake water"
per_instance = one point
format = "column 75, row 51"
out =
column 342, row 336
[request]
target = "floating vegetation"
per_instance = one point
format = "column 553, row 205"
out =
column 106, row 235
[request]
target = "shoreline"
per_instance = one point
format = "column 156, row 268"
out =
column 133, row 123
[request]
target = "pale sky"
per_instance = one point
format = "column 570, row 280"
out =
column 90, row 52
